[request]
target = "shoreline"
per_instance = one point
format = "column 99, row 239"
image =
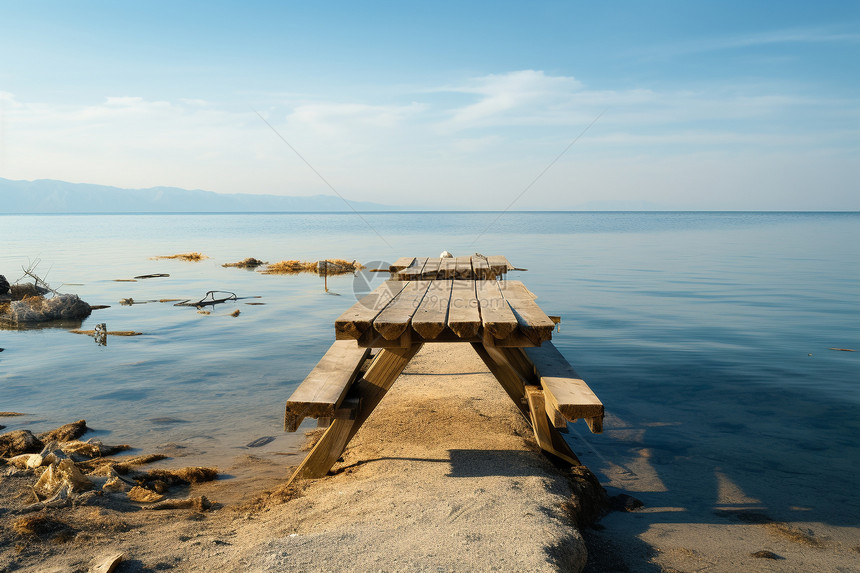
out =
column 445, row 475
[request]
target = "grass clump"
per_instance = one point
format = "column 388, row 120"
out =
column 332, row 267
column 192, row 257
column 249, row 263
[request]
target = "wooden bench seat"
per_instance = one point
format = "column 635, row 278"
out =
column 565, row 391
column 324, row 389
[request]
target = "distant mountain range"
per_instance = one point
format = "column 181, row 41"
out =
column 51, row 196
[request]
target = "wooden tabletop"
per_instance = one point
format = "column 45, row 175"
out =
column 468, row 268
column 400, row 313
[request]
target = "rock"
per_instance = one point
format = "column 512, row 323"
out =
column 19, row 442
column 260, row 442
column 65, row 433
column 4, row 285
column 35, row 309
column 107, row 564
column 589, row 501
column 26, row 461
column 624, row 502
column 764, row 554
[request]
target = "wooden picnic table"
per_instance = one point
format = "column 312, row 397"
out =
column 501, row 321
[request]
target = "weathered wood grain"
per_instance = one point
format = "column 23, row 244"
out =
column 331, row 445
column 431, row 318
column 413, row 272
column 323, row 390
column 533, row 322
column 464, row 269
column 401, row 263
column 447, row 268
column 547, row 436
column 481, row 268
column 431, row 269
column 359, row 317
column 564, row 389
column 499, row 265
column 396, row 317
column 464, row 317
column 496, row 316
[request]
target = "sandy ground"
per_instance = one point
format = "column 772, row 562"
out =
column 444, row 476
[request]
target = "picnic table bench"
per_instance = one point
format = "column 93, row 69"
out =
column 499, row 319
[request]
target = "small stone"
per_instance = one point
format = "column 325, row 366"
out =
column 764, row 554
column 107, row 564
column 66, row 433
column 19, row 442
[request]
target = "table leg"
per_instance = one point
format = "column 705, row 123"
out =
column 368, row 391
column 528, row 398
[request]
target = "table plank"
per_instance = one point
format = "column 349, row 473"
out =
column 564, row 389
column 413, row 272
column 397, row 315
column 464, row 269
column 481, row 268
column 533, row 322
column 431, row 318
column 358, row 319
column 499, row 265
column 464, row 317
column 431, row 269
column 323, row 390
column 447, row 268
column 496, row 316
column 401, row 263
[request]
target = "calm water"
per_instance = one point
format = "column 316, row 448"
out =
column 707, row 335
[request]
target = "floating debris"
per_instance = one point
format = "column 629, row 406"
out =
column 843, row 349
column 329, row 267
column 154, row 276
column 124, row 281
column 235, row 312
column 110, row 332
column 192, row 257
column 201, row 503
column 100, row 334
column 209, row 298
column 249, row 263
column 260, row 442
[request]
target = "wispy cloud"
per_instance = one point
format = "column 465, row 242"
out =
column 784, row 37
column 484, row 132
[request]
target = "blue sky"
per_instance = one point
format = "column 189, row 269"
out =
column 446, row 105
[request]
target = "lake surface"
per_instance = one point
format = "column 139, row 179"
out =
column 708, row 336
